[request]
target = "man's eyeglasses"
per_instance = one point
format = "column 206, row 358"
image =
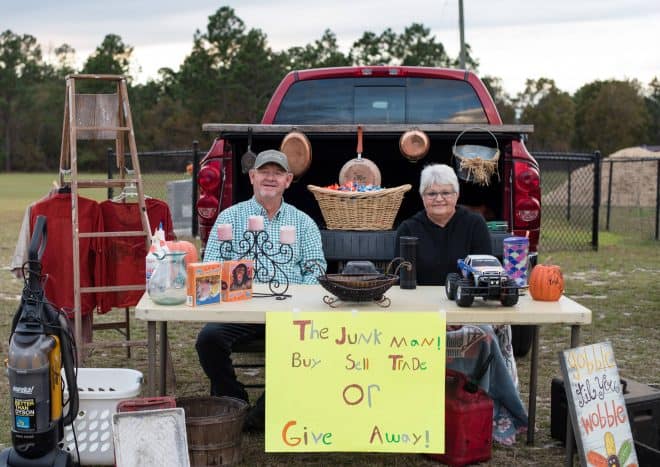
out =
column 442, row 194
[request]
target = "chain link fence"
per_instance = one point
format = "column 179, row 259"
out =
column 570, row 197
column 583, row 195
column 631, row 196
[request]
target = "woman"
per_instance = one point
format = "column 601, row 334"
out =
column 446, row 232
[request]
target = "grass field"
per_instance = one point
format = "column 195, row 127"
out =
column 619, row 283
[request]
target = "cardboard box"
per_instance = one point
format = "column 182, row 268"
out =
column 237, row 279
column 204, row 283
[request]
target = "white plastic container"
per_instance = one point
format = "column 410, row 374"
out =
column 100, row 390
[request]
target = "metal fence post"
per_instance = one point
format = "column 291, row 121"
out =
column 568, row 202
column 609, row 196
column 657, row 201
column 597, row 174
column 195, row 222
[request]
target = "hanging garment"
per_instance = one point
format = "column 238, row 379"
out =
column 125, row 256
column 57, row 261
column 23, row 242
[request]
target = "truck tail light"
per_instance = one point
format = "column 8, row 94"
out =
column 207, row 207
column 527, row 210
column 208, row 178
column 527, row 198
column 215, row 186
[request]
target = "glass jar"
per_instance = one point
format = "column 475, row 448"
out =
column 167, row 284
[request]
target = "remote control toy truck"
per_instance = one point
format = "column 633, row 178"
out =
column 480, row 276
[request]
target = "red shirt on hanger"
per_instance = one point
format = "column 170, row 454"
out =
column 57, row 260
column 125, row 256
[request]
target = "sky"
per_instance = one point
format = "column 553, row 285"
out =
column 573, row 42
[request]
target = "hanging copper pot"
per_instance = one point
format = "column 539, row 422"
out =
column 360, row 169
column 298, row 151
column 414, row 145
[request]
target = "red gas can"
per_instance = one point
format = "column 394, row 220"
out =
column 468, row 423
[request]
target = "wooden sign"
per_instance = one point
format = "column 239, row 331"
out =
column 345, row 381
column 597, row 407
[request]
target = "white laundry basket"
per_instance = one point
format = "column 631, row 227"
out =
column 100, row 390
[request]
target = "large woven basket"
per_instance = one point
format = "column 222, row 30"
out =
column 355, row 210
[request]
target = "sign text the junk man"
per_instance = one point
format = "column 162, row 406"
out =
column 342, row 381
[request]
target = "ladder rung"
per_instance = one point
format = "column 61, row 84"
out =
column 102, row 128
column 111, row 345
column 112, row 288
column 110, row 182
column 126, row 233
column 93, row 76
column 112, row 325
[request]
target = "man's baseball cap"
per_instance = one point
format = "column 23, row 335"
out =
column 272, row 156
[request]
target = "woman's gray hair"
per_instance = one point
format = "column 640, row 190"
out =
column 437, row 174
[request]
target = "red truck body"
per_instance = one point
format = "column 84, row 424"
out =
column 327, row 105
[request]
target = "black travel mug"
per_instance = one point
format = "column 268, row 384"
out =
column 408, row 251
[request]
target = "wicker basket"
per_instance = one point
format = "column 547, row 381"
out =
column 355, row 210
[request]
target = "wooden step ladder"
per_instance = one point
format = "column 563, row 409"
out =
column 101, row 116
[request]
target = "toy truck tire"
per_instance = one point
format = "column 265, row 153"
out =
column 510, row 298
column 464, row 296
column 450, row 285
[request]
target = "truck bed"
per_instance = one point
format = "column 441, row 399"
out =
column 334, row 145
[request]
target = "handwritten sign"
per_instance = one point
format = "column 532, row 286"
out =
column 597, row 407
column 345, row 381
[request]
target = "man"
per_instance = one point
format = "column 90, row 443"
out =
column 269, row 177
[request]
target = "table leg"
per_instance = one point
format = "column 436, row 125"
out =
column 570, row 437
column 533, row 381
column 163, row 358
column 151, row 358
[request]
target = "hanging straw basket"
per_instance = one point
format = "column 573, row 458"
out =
column 474, row 163
column 354, row 210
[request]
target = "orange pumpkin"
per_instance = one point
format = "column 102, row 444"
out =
column 186, row 247
column 546, row 283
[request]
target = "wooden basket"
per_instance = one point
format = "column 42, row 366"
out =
column 355, row 210
column 214, row 427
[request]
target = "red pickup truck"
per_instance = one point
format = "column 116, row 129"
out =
column 327, row 105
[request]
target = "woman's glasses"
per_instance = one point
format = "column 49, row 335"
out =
column 435, row 194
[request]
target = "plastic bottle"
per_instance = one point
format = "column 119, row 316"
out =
column 157, row 249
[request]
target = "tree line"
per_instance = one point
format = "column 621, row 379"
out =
column 231, row 72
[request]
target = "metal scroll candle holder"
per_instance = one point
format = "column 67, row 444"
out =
column 268, row 258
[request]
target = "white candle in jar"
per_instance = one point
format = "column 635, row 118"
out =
column 225, row 232
column 287, row 234
column 255, row 223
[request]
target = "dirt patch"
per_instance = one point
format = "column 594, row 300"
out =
column 633, row 182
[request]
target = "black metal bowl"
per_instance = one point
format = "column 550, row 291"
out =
column 357, row 287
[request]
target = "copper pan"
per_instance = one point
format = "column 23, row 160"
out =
column 360, row 169
column 414, row 145
column 298, row 151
